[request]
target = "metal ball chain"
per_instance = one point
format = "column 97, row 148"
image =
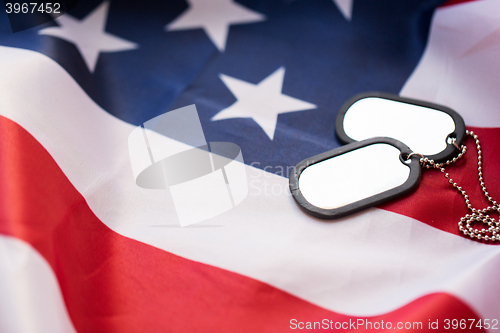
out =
column 492, row 232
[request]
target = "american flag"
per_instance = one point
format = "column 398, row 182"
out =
column 83, row 248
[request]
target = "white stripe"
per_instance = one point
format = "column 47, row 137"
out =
column 368, row 264
column 460, row 66
column 30, row 299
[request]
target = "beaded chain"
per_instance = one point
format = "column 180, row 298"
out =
column 492, row 232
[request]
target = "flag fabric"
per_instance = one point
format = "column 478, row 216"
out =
column 84, row 249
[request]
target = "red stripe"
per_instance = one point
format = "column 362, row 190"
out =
column 456, row 2
column 111, row 283
column 438, row 204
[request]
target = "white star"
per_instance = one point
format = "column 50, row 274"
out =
column 89, row 35
column 215, row 17
column 345, row 7
column 262, row 102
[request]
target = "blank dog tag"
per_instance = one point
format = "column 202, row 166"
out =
column 354, row 177
column 425, row 127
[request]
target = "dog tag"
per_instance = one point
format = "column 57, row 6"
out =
column 354, row 177
column 428, row 129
